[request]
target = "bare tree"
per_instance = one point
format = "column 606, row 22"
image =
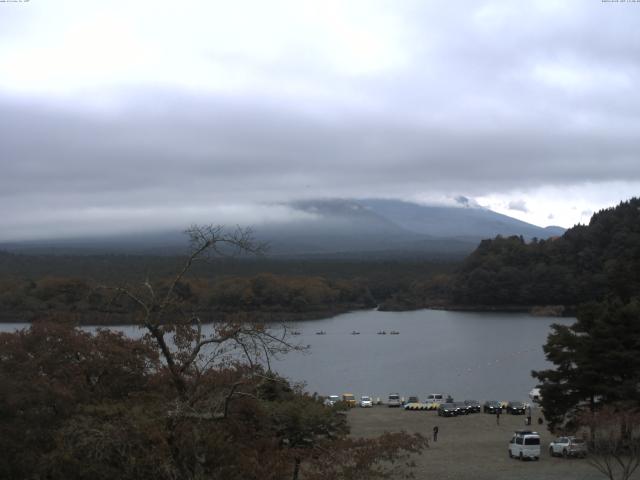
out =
column 614, row 446
column 177, row 331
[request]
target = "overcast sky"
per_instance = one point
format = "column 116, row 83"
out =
column 131, row 115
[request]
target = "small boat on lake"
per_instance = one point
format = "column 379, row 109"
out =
column 394, row 332
column 321, row 332
column 355, row 333
column 382, row 332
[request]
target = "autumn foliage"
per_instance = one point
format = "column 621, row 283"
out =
column 79, row 406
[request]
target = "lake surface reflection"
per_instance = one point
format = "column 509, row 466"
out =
column 479, row 356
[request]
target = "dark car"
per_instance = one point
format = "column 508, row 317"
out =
column 516, row 408
column 472, row 405
column 462, row 408
column 447, row 410
column 492, row 406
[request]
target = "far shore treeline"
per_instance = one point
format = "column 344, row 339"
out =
column 33, row 286
column 589, row 262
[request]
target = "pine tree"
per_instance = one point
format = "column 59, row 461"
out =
column 597, row 361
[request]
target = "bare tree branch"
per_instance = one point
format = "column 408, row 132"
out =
column 183, row 354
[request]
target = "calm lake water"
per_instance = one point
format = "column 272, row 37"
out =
column 481, row 356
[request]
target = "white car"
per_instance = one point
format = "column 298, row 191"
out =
column 568, row 447
column 331, row 400
column 366, row 402
column 535, row 396
column 525, row 444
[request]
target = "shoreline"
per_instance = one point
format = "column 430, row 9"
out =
column 535, row 310
column 123, row 319
column 108, row 319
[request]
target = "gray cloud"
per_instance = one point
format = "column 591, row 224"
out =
column 519, row 205
column 490, row 98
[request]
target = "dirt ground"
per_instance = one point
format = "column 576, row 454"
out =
column 471, row 446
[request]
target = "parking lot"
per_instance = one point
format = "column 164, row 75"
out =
column 470, row 446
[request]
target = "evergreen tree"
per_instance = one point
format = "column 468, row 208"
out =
column 597, row 361
column 587, row 263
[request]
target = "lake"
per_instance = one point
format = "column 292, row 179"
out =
column 470, row 355
column 480, row 356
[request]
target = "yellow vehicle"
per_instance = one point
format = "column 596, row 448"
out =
column 349, row 399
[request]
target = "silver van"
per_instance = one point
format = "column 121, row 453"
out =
column 394, row 400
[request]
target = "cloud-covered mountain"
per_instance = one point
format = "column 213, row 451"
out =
column 466, row 222
column 376, row 225
column 369, row 227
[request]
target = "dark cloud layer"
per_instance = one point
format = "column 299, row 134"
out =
column 486, row 98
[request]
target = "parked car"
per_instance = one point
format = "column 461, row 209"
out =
column 568, row 447
column 366, row 402
column 492, row 406
column 447, row 410
column 462, row 408
column 413, row 403
column 473, row 406
column 516, row 408
column 349, row 399
column 435, row 398
column 535, row 395
column 331, row 400
column 394, row 400
column 525, row 444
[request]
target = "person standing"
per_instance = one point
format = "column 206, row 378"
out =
column 498, row 410
column 528, row 414
column 435, row 434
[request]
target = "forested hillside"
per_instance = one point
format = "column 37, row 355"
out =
column 587, row 263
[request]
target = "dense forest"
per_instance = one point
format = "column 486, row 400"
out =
column 587, row 263
column 33, row 286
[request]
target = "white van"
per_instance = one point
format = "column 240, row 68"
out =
column 525, row 444
column 535, row 396
column 394, row 400
column 438, row 398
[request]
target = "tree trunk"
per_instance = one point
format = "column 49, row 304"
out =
column 296, row 468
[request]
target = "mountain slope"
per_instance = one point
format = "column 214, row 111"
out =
column 441, row 221
column 369, row 225
column 339, row 227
